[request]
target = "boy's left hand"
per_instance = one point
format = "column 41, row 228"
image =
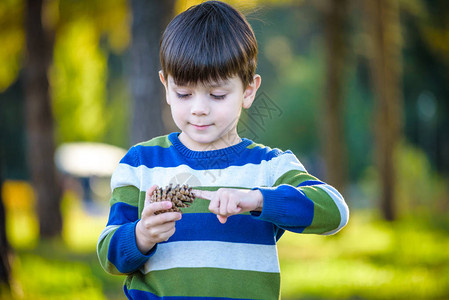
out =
column 226, row 202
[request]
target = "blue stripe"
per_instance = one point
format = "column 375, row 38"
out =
column 122, row 213
column 310, row 182
column 142, row 295
column 157, row 156
column 238, row 229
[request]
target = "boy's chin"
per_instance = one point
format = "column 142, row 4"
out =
column 197, row 141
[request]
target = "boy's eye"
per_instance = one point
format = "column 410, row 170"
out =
column 182, row 96
column 218, row 97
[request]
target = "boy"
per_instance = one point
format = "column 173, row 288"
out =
column 208, row 57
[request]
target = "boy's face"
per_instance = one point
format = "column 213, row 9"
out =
column 207, row 114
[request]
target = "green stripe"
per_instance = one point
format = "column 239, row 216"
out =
column 208, row 282
column 141, row 201
column 127, row 194
column 103, row 248
column 294, row 178
column 254, row 145
column 161, row 141
column 326, row 214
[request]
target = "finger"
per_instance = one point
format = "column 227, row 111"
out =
column 222, row 219
column 148, row 194
column 162, row 233
column 207, row 195
column 166, row 235
column 165, row 228
column 167, row 217
column 152, row 222
column 153, row 207
column 214, row 205
column 224, row 199
column 233, row 207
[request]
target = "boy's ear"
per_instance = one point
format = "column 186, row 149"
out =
column 162, row 79
column 250, row 91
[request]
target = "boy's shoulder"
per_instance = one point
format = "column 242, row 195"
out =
column 267, row 150
column 161, row 141
column 257, row 153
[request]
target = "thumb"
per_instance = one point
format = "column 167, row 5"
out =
column 222, row 219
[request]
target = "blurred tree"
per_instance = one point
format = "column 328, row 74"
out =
column 149, row 21
column 426, row 74
column 88, row 88
column 40, row 125
column 383, row 28
column 334, row 149
column 5, row 268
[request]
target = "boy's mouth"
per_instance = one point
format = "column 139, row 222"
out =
column 200, row 127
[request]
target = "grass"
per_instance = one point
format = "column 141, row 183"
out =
column 369, row 259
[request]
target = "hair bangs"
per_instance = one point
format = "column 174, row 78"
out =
column 208, row 44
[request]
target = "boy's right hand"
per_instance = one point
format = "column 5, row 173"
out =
column 152, row 229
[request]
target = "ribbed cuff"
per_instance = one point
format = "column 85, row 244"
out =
column 133, row 257
column 274, row 205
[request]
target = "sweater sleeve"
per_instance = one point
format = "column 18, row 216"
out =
column 300, row 202
column 117, row 249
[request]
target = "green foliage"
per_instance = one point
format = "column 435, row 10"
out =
column 78, row 84
column 64, row 268
column 13, row 41
column 370, row 259
column 90, row 98
column 419, row 188
column 289, row 79
column 44, row 278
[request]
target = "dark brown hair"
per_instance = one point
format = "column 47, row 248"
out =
column 209, row 42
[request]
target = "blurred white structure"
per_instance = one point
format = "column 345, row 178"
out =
column 89, row 166
column 84, row 159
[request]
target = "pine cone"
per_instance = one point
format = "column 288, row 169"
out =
column 180, row 196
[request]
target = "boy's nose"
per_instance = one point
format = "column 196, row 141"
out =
column 200, row 106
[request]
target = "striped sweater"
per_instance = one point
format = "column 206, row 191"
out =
column 205, row 259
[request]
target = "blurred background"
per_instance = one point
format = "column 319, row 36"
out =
column 358, row 90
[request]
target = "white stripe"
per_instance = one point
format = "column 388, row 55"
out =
column 212, row 254
column 246, row 176
column 341, row 204
column 105, row 232
column 285, row 163
column 125, row 175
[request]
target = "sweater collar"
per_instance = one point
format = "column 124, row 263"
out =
column 232, row 150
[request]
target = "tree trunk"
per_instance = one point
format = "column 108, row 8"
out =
column 40, row 126
column 149, row 20
column 385, row 58
column 334, row 15
column 5, row 268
